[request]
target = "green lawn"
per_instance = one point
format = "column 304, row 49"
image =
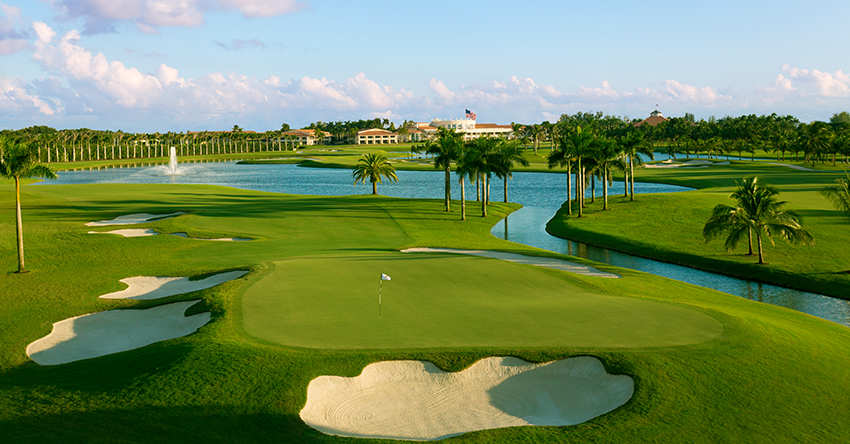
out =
column 668, row 227
column 772, row 374
column 442, row 300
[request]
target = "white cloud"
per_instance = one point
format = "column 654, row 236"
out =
column 825, row 84
column 149, row 15
column 13, row 38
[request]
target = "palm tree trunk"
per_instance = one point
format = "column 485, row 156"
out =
column 604, row 189
column 632, row 176
column 506, row 188
column 569, row 190
column 593, row 188
column 19, row 226
column 750, row 238
column 448, row 188
column 579, row 186
column 374, row 188
column 761, row 255
column 484, row 196
column 462, row 199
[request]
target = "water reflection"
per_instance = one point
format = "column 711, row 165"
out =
column 541, row 194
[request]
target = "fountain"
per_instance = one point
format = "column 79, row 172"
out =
column 172, row 162
column 173, row 168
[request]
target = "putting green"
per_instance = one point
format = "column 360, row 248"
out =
column 444, row 300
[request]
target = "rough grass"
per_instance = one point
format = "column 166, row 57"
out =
column 773, row 375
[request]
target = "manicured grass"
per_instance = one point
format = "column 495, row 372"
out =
column 439, row 300
column 668, row 227
column 772, row 375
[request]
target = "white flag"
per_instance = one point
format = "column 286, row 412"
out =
column 385, row 277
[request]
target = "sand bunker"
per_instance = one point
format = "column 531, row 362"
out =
column 223, row 239
column 694, row 163
column 416, row 400
column 136, row 218
column 129, row 232
column 547, row 262
column 155, row 287
column 99, row 334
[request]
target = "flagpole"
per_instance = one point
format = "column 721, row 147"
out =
column 380, row 291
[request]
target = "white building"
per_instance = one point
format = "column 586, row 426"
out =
column 305, row 137
column 473, row 130
column 375, row 137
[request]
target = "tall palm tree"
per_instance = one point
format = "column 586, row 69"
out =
column 373, row 166
column 839, row 194
column 17, row 161
column 579, row 144
column 563, row 156
column 482, row 161
column 445, row 149
column 508, row 153
column 633, row 145
column 757, row 211
column 607, row 155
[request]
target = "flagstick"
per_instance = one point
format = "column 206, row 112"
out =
column 380, row 291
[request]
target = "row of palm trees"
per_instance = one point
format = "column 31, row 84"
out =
column 85, row 144
column 818, row 141
column 476, row 160
column 596, row 155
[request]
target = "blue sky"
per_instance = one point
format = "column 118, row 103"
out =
column 177, row 65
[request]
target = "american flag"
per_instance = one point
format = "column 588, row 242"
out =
column 470, row 115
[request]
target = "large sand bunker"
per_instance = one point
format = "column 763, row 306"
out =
column 155, row 287
column 416, row 400
column 137, row 218
column 546, row 262
column 99, row 334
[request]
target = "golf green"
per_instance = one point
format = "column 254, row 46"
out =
column 445, row 300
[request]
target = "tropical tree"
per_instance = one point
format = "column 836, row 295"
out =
column 576, row 143
column 839, row 194
column 607, row 155
column 373, row 167
column 481, row 160
column 633, row 145
column 445, row 149
column 20, row 161
column 508, row 153
column 757, row 211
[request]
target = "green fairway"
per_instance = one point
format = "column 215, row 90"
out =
column 448, row 301
column 744, row 372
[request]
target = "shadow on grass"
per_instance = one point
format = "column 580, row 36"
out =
column 207, row 423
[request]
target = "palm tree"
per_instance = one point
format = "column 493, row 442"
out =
column 465, row 168
column 481, row 160
column 17, row 161
column 633, row 145
column 578, row 143
column 757, row 211
column 607, row 156
column 508, row 153
column 373, row 166
column 839, row 194
column 445, row 149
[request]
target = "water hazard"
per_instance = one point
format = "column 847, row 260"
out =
column 541, row 195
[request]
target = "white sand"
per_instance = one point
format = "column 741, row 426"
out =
column 155, row 287
column 416, row 400
column 548, row 262
column 129, row 232
column 222, row 239
column 99, row 334
column 136, row 218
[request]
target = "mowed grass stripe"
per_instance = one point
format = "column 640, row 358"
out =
column 444, row 300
